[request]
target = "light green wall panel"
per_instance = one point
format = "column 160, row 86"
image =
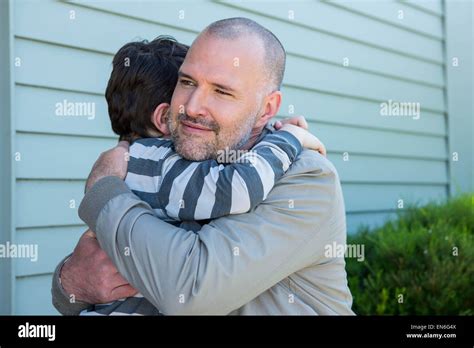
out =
column 433, row 7
column 43, row 203
column 60, row 156
column 396, row 13
column 53, row 244
column 460, row 93
column 7, row 173
column 33, row 295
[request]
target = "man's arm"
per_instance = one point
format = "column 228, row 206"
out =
column 229, row 261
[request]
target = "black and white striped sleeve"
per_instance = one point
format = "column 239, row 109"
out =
column 209, row 189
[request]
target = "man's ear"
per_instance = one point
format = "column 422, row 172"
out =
column 271, row 106
column 159, row 118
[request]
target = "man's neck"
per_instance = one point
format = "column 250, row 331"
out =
column 254, row 136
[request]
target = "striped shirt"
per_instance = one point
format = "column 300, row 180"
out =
column 181, row 190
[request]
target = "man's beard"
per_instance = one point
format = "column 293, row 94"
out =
column 200, row 150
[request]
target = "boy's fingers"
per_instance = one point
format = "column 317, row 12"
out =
column 320, row 147
column 315, row 144
column 323, row 150
column 298, row 121
column 277, row 125
column 302, row 122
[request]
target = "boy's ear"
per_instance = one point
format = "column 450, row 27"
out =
column 159, row 118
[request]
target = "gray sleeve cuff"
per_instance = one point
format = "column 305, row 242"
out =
column 61, row 300
column 98, row 196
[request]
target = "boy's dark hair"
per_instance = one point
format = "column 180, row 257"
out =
column 144, row 75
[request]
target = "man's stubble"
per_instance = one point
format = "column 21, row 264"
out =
column 202, row 149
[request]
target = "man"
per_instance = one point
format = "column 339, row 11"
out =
column 268, row 261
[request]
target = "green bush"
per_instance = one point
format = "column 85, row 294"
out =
column 415, row 256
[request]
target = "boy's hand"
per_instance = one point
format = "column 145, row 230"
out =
column 298, row 121
column 306, row 139
column 299, row 128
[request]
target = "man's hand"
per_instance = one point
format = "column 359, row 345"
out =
column 113, row 162
column 91, row 276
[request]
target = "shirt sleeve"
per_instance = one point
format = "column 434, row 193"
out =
column 61, row 300
column 230, row 184
column 231, row 260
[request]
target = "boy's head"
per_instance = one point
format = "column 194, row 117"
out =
column 140, row 87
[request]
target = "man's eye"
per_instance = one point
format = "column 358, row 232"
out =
column 186, row 83
column 222, row 92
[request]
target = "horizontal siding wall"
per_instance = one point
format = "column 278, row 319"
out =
column 389, row 158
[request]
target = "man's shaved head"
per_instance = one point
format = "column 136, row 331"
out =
column 274, row 53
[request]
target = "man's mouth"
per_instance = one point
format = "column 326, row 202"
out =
column 194, row 127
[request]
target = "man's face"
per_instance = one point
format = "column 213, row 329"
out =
column 218, row 96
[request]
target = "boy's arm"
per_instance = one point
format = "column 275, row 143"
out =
column 209, row 189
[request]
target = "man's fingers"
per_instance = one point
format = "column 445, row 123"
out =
column 122, row 291
column 118, row 279
column 123, row 144
column 90, row 234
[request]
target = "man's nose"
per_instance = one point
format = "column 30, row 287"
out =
column 197, row 104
